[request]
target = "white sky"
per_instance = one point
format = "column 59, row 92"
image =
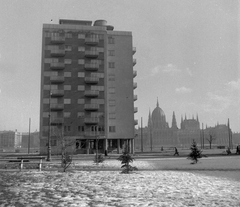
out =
column 187, row 55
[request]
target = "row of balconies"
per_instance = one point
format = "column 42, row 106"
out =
column 61, row 53
column 91, row 40
column 87, row 66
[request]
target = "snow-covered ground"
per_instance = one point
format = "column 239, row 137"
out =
column 155, row 184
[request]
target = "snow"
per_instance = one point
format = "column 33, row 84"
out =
column 153, row 185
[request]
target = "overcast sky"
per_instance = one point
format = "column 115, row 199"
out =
column 187, row 55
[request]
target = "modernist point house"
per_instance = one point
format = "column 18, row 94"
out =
column 87, row 87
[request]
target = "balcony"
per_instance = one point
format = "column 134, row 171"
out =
column 57, row 79
column 135, row 97
column 91, row 120
column 134, row 85
column 134, row 73
column 135, row 122
column 92, row 40
column 56, row 107
column 57, row 93
column 57, row 53
column 57, row 66
column 57, row 121
column 91, row 93
column 91, row 53
column 91, row 107
column 91, row 80
column 134, row 50
column 57, row 40
column 91, row 66
column 134, row 62
column 92, row 134
column 135, row 109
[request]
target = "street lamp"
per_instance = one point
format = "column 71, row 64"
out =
column 49, row 128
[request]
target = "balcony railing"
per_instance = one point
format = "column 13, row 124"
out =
column 92, row 40
column 57, row 39
column 135, row 109
column 56, row 107
column 57, row 92
column 91, row 93
column 91, row 66
column 57, row 53
column 134, row 62
column 91, row 53
column 92, row 134
column 134, row 85
column 91, row 120
column 135, row 122
column 91, row 80
column 57, row 66
column 57, row 121
column 134, row 73
column 91, row 107
column 57, row 79
column 134, row 50
column 135, row 97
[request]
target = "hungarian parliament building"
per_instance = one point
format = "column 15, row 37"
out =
column 158, row 135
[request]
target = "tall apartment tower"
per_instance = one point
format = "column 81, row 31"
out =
column 87, row 87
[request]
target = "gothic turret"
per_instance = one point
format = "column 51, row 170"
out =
column 174, row 122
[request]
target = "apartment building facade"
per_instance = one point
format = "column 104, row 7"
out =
column 87, row 87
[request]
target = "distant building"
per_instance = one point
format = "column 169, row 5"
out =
column 158, row 134
column 87, row 87
column 10, row 140
column 33, row 141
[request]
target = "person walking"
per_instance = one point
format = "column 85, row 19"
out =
column 176, row 152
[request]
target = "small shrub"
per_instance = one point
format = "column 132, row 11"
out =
column 126, row 159
column 98, row 159
column 66, row 161
column 195, row 153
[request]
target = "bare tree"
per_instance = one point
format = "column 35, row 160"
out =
column 65, row 143
column 212, row 137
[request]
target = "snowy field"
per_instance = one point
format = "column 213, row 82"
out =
column 160, row 182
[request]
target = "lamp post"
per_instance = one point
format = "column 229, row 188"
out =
column 49, row 127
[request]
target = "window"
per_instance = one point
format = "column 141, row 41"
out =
column 80, row 114
column 81, row 128
column 112, row 116
column 111, row 53
column 97, row 88
column 81, row 74
column 111, row 90
column 66, row 114
column 68, row 61
column 81, row 49
column 81, row 88
column 80, row 101
column 67, row 101
column 67, row 87
column 69, row 128
column 81, row 36
column 111, row 40
column 46, row 114
column 68, row 35
column 111, row 65
column 67, row 74
column 68, row 48
column 112, row 129
column 112, row 102
column 81, row 61
column 111, row 77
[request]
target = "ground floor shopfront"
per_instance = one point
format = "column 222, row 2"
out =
column 78, row 145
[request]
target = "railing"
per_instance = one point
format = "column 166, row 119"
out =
column 56, row 107
column 91, row 79
column 134, row 50
column 134, row 85
column 91, row 66
column 134, row 73
column 57, row 92
column 57, row 39
column 91, row 93
column 57, row 120
column 91, row 106
column 135, row 97
column 135, row 122
column 92, row 40
column 57, row 65
column 135, row 109
column 58, row 52
column 57, row 79
column 134, row 61
column 91, row 120
column 91, row 53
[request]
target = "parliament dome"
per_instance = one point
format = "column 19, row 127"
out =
column 158, row 118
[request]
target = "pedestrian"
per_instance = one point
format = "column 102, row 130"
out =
column 176, row 152
column 106, row 153
column 228, row 151
column 238, row 150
